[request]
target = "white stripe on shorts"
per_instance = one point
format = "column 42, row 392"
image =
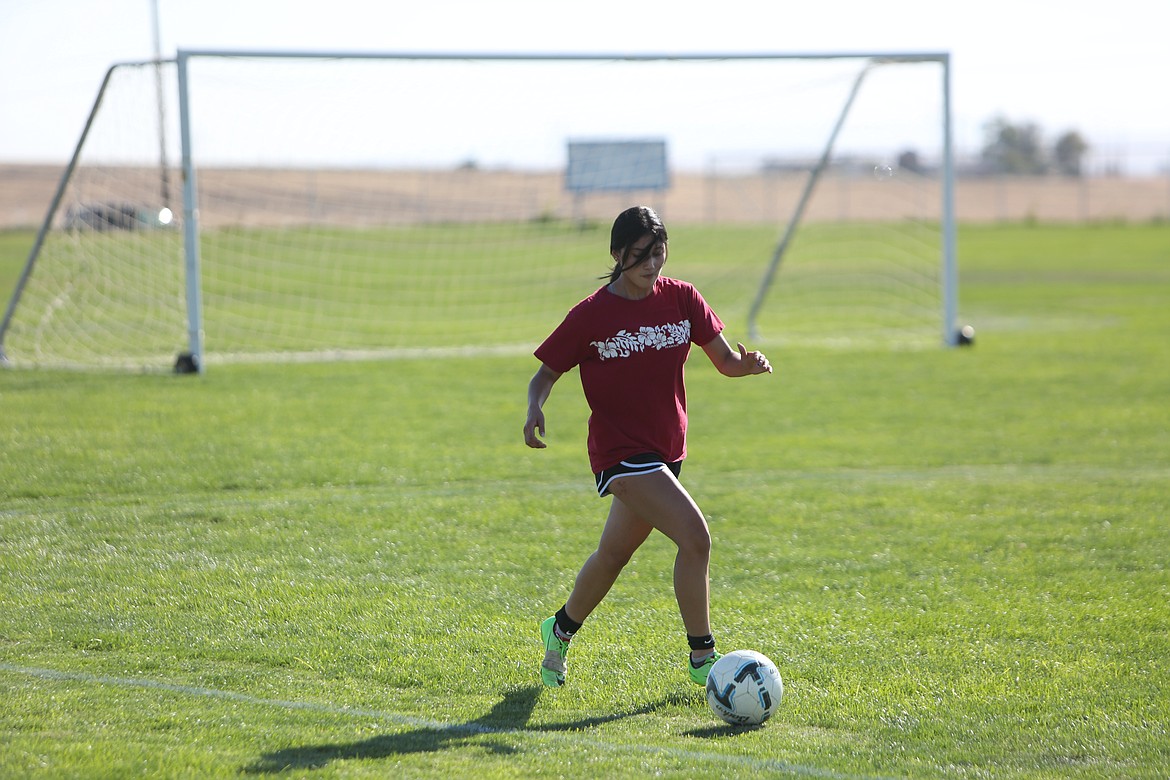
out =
column 629, row 470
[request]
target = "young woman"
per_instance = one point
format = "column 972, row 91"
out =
column 630, row 340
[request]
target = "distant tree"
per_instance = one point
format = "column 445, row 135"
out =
column 910, row 161
column 1013, row 148
column 1069, row 153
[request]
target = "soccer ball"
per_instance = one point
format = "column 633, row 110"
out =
column 744, row 688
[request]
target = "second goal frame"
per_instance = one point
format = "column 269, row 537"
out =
column 948, row 260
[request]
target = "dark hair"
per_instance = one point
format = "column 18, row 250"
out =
column 629, row 227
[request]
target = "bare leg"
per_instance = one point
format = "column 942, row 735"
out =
column 624, row 533
column 641, row 503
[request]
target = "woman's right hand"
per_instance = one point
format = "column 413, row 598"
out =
column 535, row 423
column 538, row 390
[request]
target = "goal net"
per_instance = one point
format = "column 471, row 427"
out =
column 271, row 206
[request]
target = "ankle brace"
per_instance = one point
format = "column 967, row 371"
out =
column 701, row 642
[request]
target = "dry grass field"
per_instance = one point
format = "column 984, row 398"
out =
column 26, row 190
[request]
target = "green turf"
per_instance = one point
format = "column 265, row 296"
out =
column 957, row 558
column 116, row 298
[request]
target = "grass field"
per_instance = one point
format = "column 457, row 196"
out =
column 116, row 298
column 957, row 558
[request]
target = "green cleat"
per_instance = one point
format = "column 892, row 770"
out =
column 553, row 668
column 699, row 673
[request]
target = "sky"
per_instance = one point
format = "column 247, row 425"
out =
column 1099, row 68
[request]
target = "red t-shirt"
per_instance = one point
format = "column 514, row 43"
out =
column 631, row 355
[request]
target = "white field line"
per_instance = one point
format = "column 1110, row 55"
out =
column 473, row 729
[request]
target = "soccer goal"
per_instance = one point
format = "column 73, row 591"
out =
column 248, row 206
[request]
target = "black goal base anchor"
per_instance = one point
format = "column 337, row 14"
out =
column 186, row 363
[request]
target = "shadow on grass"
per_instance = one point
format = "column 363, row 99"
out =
column 722, row 730
column 510, row 715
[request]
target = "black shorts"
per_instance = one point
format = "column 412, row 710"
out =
column 635, row 464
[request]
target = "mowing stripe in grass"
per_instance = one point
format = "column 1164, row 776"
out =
column 471, row 728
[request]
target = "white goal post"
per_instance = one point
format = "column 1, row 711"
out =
column 345, row 205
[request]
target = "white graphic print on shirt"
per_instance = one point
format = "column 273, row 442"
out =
column 624, row 343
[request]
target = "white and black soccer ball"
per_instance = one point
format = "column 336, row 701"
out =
column 744, row 688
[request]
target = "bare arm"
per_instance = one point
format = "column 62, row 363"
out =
column 538, row 392
column 732, row 363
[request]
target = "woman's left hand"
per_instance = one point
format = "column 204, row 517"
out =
column 753, row 362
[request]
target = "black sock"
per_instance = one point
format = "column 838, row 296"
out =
column 566, row 624
column 701, row 642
